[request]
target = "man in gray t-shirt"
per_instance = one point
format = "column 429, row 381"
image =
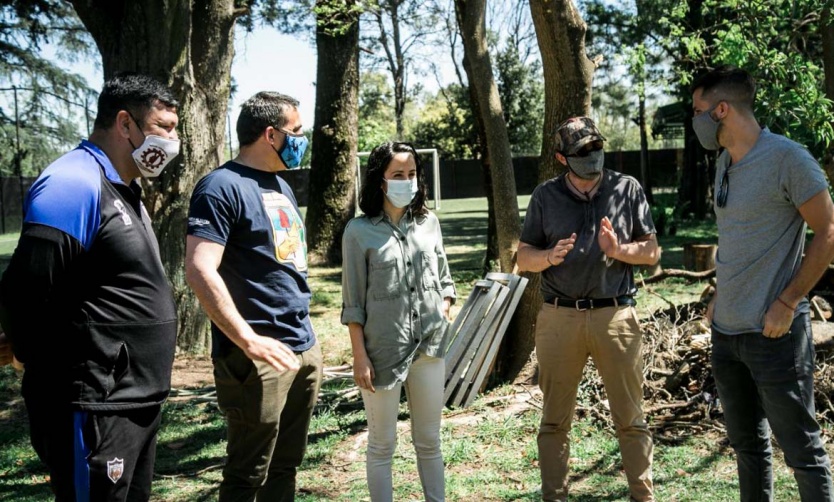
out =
column 583, row 231
column 768, row 191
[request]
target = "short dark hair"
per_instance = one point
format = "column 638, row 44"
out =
column 133, row 92
column 262, row 110
column 371, row 196
column 727, row 83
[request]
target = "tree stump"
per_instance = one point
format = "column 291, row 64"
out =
column 823, row 333
column 699, row 257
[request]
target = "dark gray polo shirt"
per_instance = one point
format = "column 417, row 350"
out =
column 555, row 212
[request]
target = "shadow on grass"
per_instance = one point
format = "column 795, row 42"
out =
column 609, row 466
column 25, row 476
column 332, row 277
column 317, row 456
column 170, row 454
column 24, row 492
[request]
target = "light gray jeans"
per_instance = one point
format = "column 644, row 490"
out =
column 424, row 392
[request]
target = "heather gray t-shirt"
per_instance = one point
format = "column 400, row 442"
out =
column 555, row 213
column 761, row 234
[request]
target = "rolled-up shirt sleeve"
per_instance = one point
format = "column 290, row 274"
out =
column 354, row 279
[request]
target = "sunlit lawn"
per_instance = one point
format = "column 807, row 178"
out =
column 490, row 450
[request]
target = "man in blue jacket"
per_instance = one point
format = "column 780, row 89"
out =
column 87, row 305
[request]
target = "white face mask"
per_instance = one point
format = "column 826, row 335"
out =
column 401, row 192
column 154, row 154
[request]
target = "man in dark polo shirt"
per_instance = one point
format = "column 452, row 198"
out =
column 246, row 259
column 584, row 230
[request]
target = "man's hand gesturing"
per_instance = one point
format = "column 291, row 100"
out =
column 608, row 240
column 557, row 253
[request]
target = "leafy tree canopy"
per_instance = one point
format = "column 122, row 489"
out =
column 779, row 42
column 376, row 110
column 53, row 104
column 521, row 87
column 634, row 62
column 446, row 123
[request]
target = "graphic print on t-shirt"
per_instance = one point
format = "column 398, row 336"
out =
column 288, row 232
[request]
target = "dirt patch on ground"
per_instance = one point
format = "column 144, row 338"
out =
column 192, row 373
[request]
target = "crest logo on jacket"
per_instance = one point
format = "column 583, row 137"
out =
column 115, row 469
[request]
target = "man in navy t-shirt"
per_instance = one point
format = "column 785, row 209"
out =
column 246, row 259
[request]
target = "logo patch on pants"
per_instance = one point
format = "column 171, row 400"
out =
column 115, row 469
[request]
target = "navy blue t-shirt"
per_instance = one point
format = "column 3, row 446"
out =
column 254, row 214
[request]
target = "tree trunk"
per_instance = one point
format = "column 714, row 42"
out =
column 395, row 57
column 335, row 134
column 699, row 165
column 471, row 19
column 189, row 44
column 491, row 259
column 399, row 102
column 491, row 256
column 568, row 73
column 645, row 173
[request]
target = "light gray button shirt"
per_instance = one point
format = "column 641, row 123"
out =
column 394, row 280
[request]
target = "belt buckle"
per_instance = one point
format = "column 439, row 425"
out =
column 588, row 302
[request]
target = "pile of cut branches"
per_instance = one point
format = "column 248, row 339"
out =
column 679, row 390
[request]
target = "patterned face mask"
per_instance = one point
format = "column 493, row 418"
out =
column 154, row 153
column 292, row 151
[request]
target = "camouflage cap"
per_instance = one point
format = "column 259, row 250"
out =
column 576, row 132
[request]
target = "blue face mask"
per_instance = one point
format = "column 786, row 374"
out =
column 292, row 150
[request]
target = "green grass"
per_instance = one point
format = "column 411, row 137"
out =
column 490, row 451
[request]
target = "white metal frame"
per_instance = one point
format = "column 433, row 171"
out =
column 435, row 169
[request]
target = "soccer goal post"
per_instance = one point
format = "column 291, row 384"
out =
column 435, row 161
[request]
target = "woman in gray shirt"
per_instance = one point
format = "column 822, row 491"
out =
column 397, row 291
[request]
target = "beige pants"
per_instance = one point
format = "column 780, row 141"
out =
column 424, row 392
column 565, row 337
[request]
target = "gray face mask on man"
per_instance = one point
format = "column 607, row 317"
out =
column 588, row 167
column 706, row 129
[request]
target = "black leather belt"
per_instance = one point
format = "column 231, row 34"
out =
column 593, row 303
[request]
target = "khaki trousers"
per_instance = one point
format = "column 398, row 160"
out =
column 565, row 337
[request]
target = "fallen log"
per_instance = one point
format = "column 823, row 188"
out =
column 684, row 274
